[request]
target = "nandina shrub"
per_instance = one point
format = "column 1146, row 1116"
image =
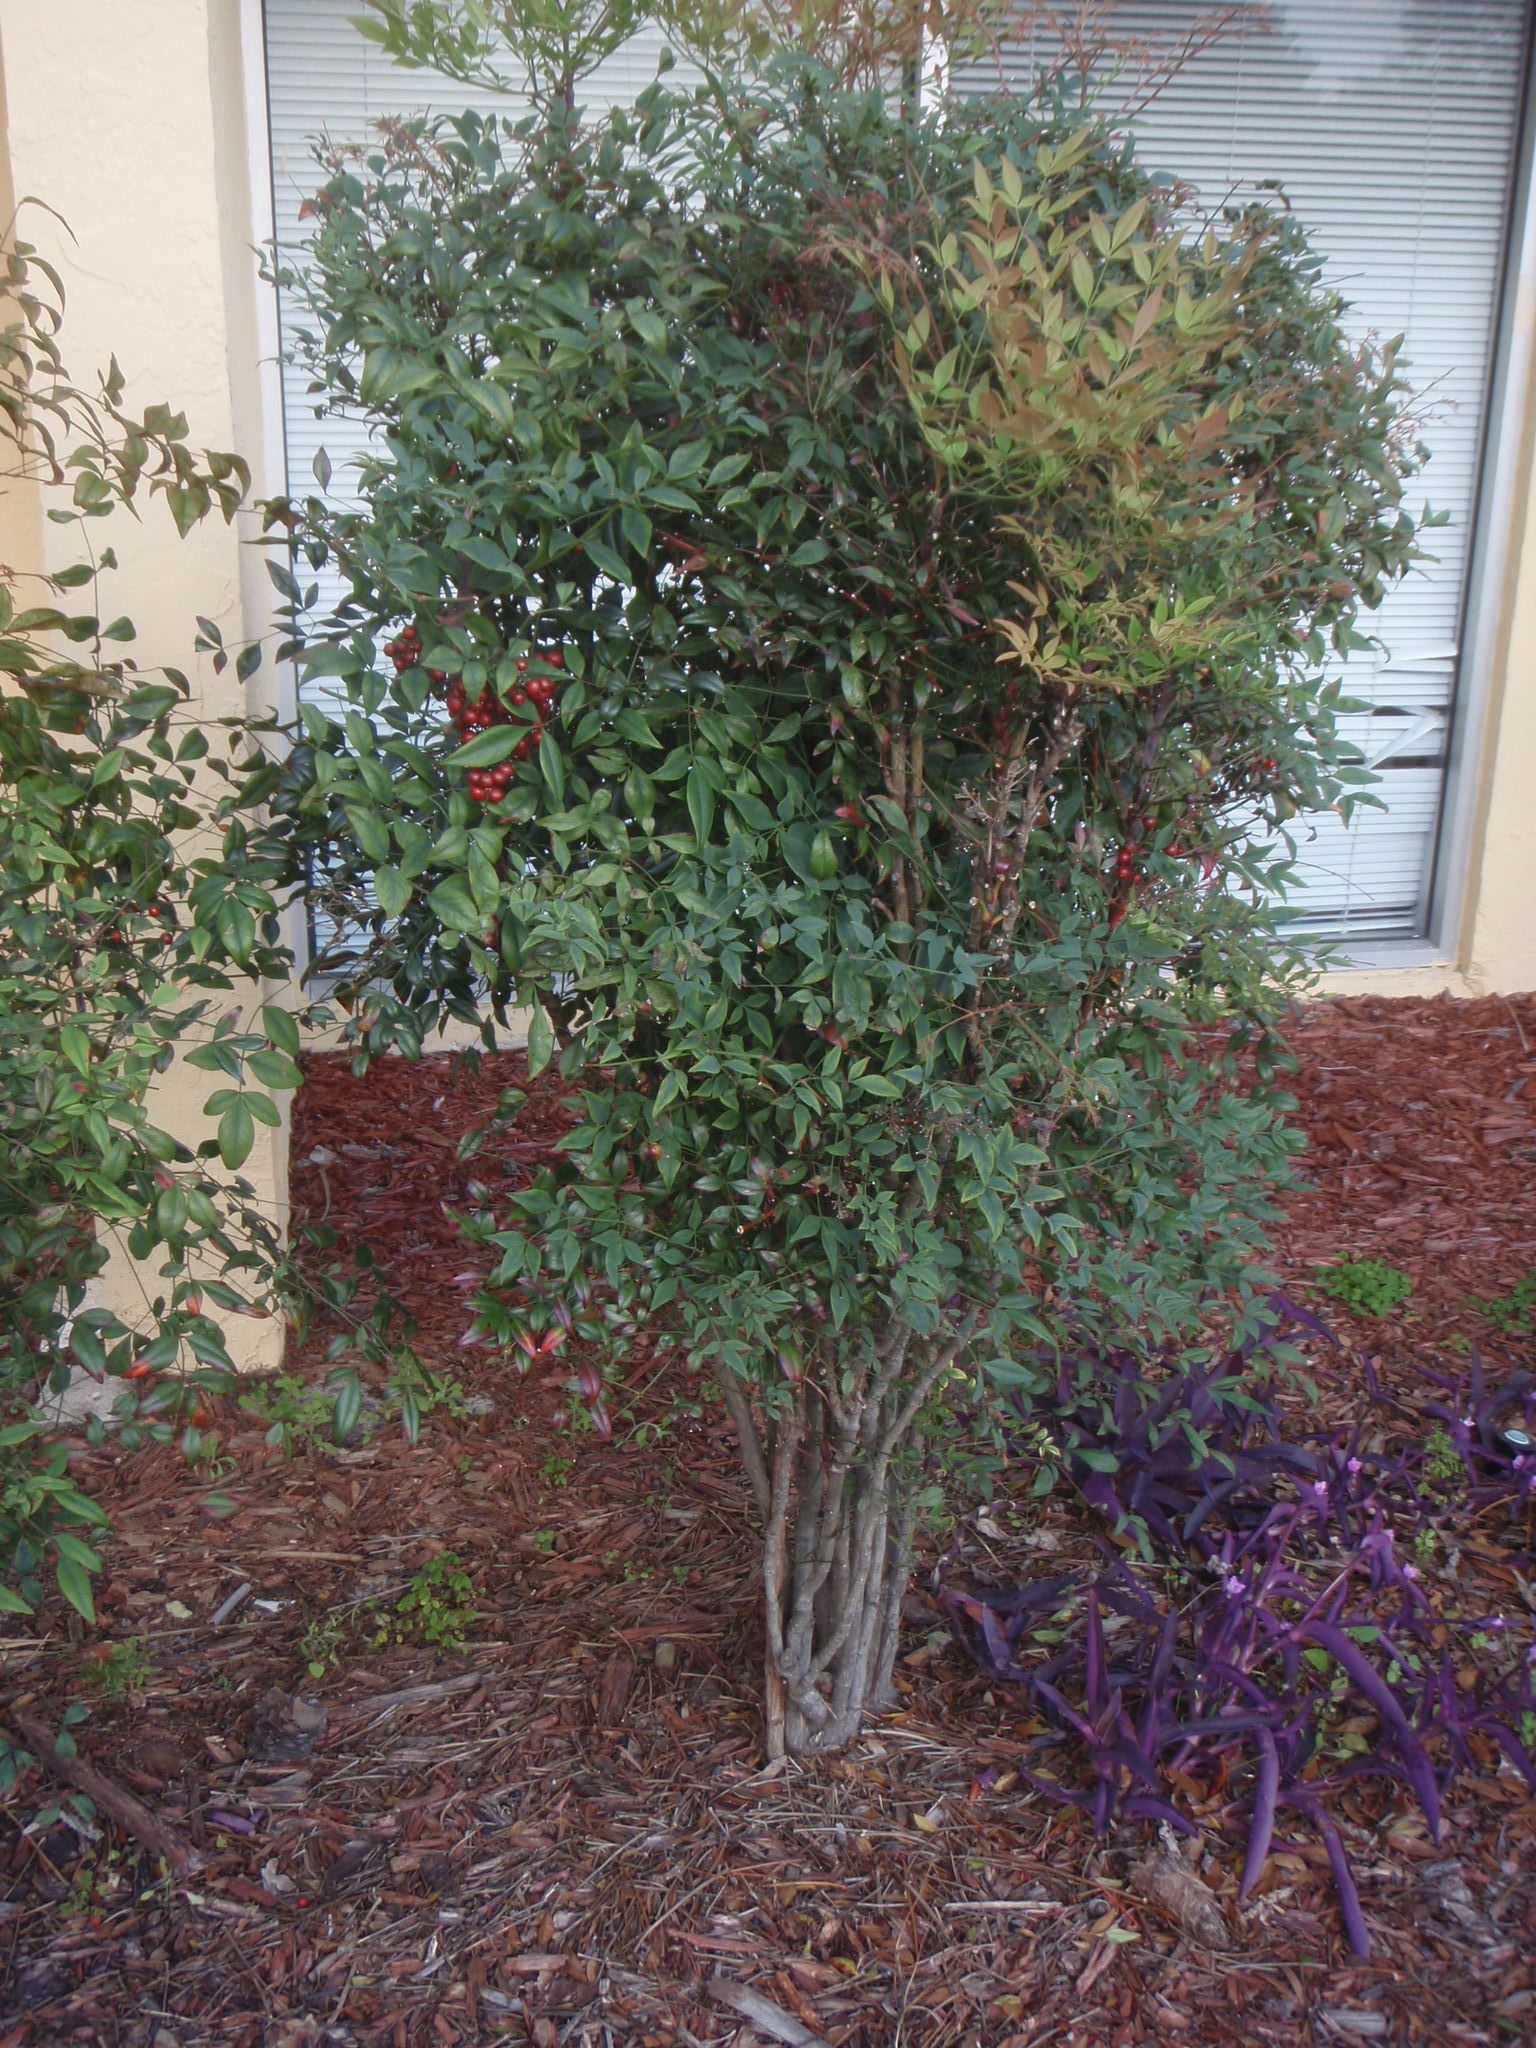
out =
column 933, row 551
column 121, row 939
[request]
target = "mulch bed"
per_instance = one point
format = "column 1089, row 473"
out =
column 562, row 1831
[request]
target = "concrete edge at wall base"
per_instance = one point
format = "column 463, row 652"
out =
column 1402, row 984
column 1404, row 972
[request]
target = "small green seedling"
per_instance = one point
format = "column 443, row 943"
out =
column 299, row 1416
column 121, row 1669
column 1442, row 1461
column 437, row 1607
column 1367, row 1287
column 1512, row 1314
column 320, row 1644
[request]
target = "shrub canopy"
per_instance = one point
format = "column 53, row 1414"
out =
column 879, row 561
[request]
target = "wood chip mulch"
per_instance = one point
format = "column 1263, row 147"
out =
column 561, row 1830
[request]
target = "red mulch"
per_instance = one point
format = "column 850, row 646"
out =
column 561, row 1832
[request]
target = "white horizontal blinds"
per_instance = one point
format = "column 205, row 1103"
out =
column 1392, row 127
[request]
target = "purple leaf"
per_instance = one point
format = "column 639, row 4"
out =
column 1283, row 1305
column 1370, row 1681
column 1262, row 1831
column 1355, row 1929
column 1093, row 1681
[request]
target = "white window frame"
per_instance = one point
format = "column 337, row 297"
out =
column 269, row 369
column 1493, row 565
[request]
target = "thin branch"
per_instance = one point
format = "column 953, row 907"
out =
column 738, row 1406
column 130, row 1813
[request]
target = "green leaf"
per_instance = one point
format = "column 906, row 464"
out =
column 348, row 1408
column 393, row 891
column 636, row 528
column 237, row 1133
column 650, row 327
column 541, row 1040
column 701, row 802
column 237, row 928
column 75, row 1585
column 70, row 1546
column 76, row 1048
column 282, row 1028
column 552, row 766
column 603, row 557
column 881, row 1085
column 487, row 748
column 370, row 832
column 453, row 904
column 275, row 1069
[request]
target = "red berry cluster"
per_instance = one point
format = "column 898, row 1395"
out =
column 405, row 649
column 538, row 684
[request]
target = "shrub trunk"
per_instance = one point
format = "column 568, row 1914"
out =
column 837, row 1488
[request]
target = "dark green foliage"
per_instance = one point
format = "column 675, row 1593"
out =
column 120, row 940
column 941, row 550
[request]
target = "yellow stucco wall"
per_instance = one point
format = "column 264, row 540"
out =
column 127, row 117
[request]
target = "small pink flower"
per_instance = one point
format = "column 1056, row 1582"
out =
column 1410, row 1571
column 1354, row 1468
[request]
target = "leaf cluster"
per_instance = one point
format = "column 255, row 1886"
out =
column 122, row 939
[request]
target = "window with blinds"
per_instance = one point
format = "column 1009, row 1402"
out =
column 1392, row 127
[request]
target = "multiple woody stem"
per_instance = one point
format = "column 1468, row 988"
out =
column 833, row 1474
